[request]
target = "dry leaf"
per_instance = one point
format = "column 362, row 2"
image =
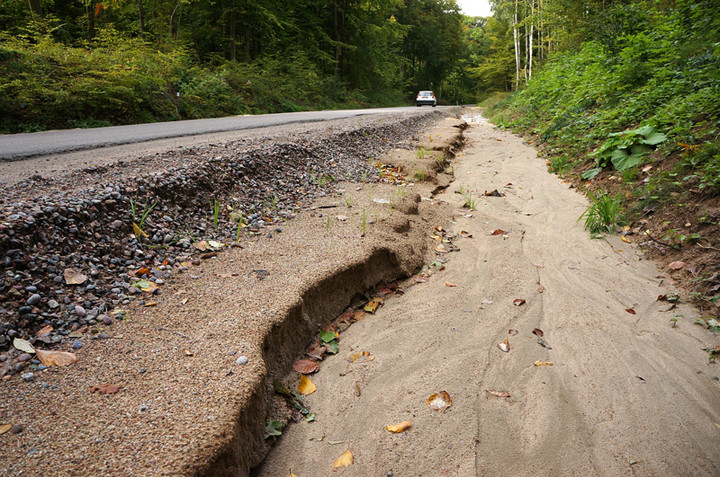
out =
column 373, row 305
column 498, row 232
column 518, row 302
column 676, row 265
column 23, row 345
column 189, row 353
column 541, row 289
column 292, row 475
column 543, row 343
column 56, row 358
column 439, row 402
column 306, row 386
column 138, row 231
column 151, row 303
column 538, row 332
column 45, row 330
column 504, row 346
column 399, row 427
column 365, row 354
column 73, row 277
column 357, row 389
column 625, row 239
column 316, row 353
column 202, row 245
column 345, row 460
column 450, row 284
column 440, row 249
column 139, row 272
column 305, row 366
column 542, row 363
column 438, row 228
column 420, row 279
column 630, row 310
column 512, row 332
column 502, row 394
column 4, row 428
column 106, row 388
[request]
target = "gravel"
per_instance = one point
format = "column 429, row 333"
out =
column 76, row 248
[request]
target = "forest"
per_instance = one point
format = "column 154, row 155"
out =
column 86, row 63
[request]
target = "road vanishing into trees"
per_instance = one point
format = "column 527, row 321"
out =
column 19, row 146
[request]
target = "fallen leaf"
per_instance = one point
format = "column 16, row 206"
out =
column 202, row 245
column 45, row 330
column 538, row 332
column 541, row 289
column 542, row 363
column 502, row 394
column 139, row 272
column 138, row 231
column 146, row 286
column 151, row 303
column 106, row 388
column 316, row 353
column 56, row 358
column 215, row 245
column 345, row 460
column 306, row 386
column 357, row 389
column 189, row 353
column 358, row 315
column 399, row 427
column 438, row 228
column 676, row 265
column 292, row 475
column 74, row 277
column 518, row 302
column 373, row 305
column 439, row 402
column 440, row 249
column 630, row 310
column 207, row 255
column 420, row 279
column 512, row 332
column 498, row 232
column 504, row 346
column 23, row 345
column 4, row 428
column 365, row 356
column 450, row 284
column 305, row 366
column 625, row 239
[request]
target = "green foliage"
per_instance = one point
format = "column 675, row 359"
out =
column 602, row 215
column 626, row 149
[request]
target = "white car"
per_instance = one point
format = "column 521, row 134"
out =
column 426, row 98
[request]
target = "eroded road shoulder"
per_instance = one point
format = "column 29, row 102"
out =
column 582, row 387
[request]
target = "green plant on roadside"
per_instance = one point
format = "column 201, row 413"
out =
column 363, row 221
column 145, row 213
column 273, row 428
column 630, row 174
column 420, row 153
column 469, row 202
column 328, row 224
column 240, row 224
column 329, row 340
column 462, row 190
column 626, row 149
column 216, row 213
column 401, row 191
column 602, row 215
column 420, row 176
column 370, row 191
column 349, row 201
column 363, row 176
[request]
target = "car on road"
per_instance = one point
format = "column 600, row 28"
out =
column 426, row 98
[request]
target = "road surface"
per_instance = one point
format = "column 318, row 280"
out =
column 19, row 146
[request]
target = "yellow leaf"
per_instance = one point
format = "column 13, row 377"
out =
column 399, row 427
column 306, row 386
column 625, row 239
column 202, row 245
column 373, row 305
column 292, row 475
column 542, row 363
column 138, row 231
column 4, row 428
column 504, row 346
column 55, row 358
column 439, row 402
column 345, row 460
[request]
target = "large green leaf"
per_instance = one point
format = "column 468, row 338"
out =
column 654, row 138
column 590, row 174
column 621, row 160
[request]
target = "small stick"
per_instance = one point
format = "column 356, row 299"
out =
column 656, row 240
column 160, row 328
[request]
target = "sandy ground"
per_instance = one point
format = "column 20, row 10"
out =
column 627, row 393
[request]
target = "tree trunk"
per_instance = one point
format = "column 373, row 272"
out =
column 532, row 29
column 233, row 43
column 517, row 47
column 141, row 17
column 35, row 7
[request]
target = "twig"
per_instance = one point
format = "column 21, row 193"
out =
column 708, row 247
column 160, row 328
column 661, row 243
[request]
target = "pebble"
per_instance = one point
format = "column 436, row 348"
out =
column 34, row 299
column 242, row 360
column 28, row 377
column 143, row 408
column 107, row 320
column 24, row 357
column 103, row 336
column 77, row 344
column 17, row 428
column 44, row 385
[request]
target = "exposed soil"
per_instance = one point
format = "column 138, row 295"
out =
column 596, row 379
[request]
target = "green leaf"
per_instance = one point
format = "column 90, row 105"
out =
column 327, row 336
column 332, row 347
column 590, row 174
column 272, row 428
column 654, row 139
column 622, row 161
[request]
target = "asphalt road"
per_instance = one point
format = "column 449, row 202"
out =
column 20, row 146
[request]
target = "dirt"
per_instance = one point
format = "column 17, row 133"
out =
column 622, row 391
column 627, row 392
